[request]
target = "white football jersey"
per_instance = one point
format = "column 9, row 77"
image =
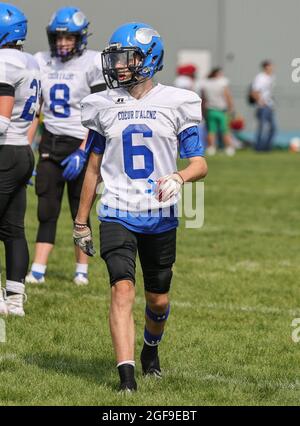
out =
column 141, row 141
column 64, row 84
column 20, row 70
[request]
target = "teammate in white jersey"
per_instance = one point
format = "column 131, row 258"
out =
column 69, row 72
column 19, row 101
column 137, row 127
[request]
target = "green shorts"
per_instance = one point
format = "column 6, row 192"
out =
column 217, row 120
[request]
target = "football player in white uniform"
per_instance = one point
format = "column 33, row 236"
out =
column 137, row 127
column 69, row 72
column 19, row 101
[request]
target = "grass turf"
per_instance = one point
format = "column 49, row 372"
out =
column 234, row 295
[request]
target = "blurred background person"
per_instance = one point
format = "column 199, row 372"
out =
column 218, row 104
column 186, row 77
column 262, row 92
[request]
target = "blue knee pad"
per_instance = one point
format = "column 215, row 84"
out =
column 151, row 339
column 157, row 317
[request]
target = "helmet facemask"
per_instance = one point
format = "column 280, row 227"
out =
column 135, row 53
column 13, row 27
column 123, row 67
column 19, row 45
column 79, row 47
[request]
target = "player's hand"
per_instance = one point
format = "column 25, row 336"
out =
column 168, row 186
column 82, row 237
column 30, row 181
column 74, row 164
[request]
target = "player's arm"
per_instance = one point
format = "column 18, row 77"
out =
column 191, row 147
column 88, row 192
column 7, row 100
column 82, row 235
column 34, row 125
column 170, row 185
column 96, row 145
column 32, row 130
column 197, row 169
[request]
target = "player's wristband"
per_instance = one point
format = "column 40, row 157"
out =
column 80, row 225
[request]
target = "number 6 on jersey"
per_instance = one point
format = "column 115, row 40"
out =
column 130, row 150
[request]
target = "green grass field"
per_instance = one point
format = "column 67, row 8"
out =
column 234, row 295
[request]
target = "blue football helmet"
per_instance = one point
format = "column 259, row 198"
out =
column 13, row 25
column 135, row 53
column 68, row 21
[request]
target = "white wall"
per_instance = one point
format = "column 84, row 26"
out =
column 264, row 29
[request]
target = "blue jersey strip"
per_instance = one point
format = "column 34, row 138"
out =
column 151, row 222
column 191, row 142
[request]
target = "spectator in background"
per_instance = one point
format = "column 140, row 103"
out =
column 218, row 103
column 186, row 77
column 262, row 88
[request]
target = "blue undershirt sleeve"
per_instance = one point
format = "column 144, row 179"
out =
column 95, row 143
column 191, row 142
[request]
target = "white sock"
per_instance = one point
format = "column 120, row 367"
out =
column 126, row 362
column 38, row 267
column 81, row 268
column 15, row 287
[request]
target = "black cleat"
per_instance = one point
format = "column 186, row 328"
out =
column 150, row 366
column 128, row 386
column 127, row 380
